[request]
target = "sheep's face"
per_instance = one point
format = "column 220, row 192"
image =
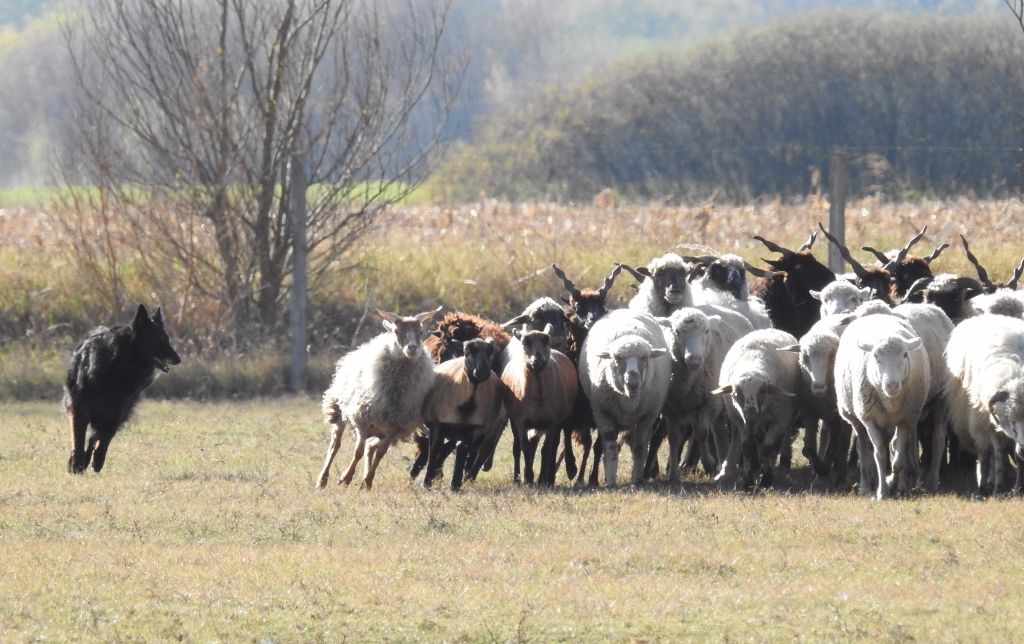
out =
column 729, row 277
column 537, row 347
column 817, row 360
column 841, row 297
column 803, row 271
column 630, row 360
column 478, row 354
column 1007, row 410
column 670, row 283
column 538, row 317
column 877, row 281
column 750, row 396
column 888, row 362
column 907, row 272
column 691, row 331
column 409, row 332
column 589, row 308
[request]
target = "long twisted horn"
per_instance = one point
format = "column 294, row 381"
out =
column 882, row 257
column 760, row 272
column 639, row 274
column 845, row 252
column 810, row 242
column 772, row 246
column 920, row 285
column 706, row 260
column 982, row 273
column 569, row 286
column 1017, row 272
column 603, row 291
column 928, row 259
column 902, row 254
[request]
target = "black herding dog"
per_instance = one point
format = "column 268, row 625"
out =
column 108, row 372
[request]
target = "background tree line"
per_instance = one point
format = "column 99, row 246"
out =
column 922, row 104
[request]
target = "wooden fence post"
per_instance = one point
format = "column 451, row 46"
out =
column 837, row 208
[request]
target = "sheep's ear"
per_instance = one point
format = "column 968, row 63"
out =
column 725, row 389
column 437, row 334
column 714, row 319
column 846, row 320
column 865, row 345
column 516, row 321
column 914, row 343
column 1000, row 396
column 657, row 353
column 387, row 316
column 815, row 294
column 776, row 390
column 789, row 348
column 665, row 322
column 604, row 355
column 426, row 316
column 865, row 293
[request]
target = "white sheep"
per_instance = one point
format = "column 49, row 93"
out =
column 699, row 339
column 985, row 393
column 841, row 297
column 932, row 325
column 882, row 381
column 379, row 389
column 762, row 382
column 624, row 370
column 817, row 397
column 663, row 286
column 1002, row 301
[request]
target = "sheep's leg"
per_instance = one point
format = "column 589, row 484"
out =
column 810, row 450
column 703, row 436
column 674, row 429
column 99, row 446
column 1000, row 456
column 529, row 452
column 461, row 452
column 881, row 452
column 609, row 439
column 357, row 454
column 517, row 449
column 598, row 457
column 77, row 461
column 904, row 441
column 732, row 436
column 332, row 449
column 570, row 458
column 422, row 454
column 640, row 445
column 435, row 458
column 548, row 468
column 937, row 452
column 650, row 459
column 586, row 443
column 985, row 479
column 379, row 450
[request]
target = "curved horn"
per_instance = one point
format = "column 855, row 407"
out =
column 882, row 257
column 772, row 246
column 928, row 259
column 971, row 284
column 920, row 285
column 902, row 254
column 1017, row 272
column 608, row 281
column 569, row 286
column 639, row 274
column 845, row 252
column 982, row 273
column 760, row 272
column 810, row 242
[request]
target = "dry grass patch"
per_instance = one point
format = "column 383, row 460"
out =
column 205, row 525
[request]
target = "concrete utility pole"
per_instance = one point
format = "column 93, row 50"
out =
column 297, row 304
column 837, row 208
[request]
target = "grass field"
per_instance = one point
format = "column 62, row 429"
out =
column 205, row 526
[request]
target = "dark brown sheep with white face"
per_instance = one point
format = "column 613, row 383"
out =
column 786, row 294
column 461, row 409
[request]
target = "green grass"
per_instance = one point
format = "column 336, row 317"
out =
column 205, row 526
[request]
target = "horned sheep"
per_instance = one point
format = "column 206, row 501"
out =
column 624, row 370
column 761, row 381
column 786, row 293
column 882, row 383
column 722, row 281
column 379, row 389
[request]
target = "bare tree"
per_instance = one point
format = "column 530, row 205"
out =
column 189, row 110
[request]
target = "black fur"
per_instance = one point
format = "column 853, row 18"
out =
column 108, row 372
column 787, row 299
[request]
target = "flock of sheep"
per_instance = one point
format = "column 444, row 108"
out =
column 903, row 374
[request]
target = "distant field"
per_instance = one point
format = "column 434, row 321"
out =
column 205, row 526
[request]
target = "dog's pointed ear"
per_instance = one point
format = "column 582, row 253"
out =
column 158, row 317
column 141, row 317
